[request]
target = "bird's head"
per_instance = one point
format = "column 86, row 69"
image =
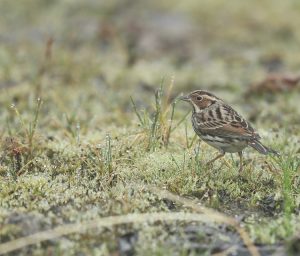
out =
column 200, row 99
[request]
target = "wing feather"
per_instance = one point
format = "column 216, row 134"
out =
column 231, row 124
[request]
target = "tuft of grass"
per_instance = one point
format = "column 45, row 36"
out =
column 158, row 126
column 30, row 127
column 20, row 148
column 289, row 166
column 107, row 154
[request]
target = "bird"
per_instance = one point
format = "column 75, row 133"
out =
column 223, row 128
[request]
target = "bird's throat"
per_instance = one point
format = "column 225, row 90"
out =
column 196, row 108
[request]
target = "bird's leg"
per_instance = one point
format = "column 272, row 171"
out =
column 241, row 161
column 217, row 157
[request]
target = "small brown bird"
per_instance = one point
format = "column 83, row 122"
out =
column 222, row 127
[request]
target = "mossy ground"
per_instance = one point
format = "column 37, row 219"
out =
column 85, row 150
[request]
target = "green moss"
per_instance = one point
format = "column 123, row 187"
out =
column 88, row 150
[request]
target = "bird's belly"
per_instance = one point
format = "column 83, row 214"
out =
column 230, row 145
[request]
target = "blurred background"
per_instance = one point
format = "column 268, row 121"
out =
column 85, row 59
column 114, row 45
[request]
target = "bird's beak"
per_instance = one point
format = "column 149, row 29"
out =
column 184, row 98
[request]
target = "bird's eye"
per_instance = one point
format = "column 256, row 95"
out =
column 199, row 98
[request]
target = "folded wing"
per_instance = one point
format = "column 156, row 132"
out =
column 225, row 122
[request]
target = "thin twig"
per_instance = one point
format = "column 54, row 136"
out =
column 181, row 120
column 210, row 213
column 99, row 223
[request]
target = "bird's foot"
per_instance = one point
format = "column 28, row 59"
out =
column 241, row 168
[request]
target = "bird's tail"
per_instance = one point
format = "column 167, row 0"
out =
column 262, row 148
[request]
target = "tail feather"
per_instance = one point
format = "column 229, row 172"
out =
column 262, row 148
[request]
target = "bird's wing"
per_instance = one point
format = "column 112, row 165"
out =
column 226, row 122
